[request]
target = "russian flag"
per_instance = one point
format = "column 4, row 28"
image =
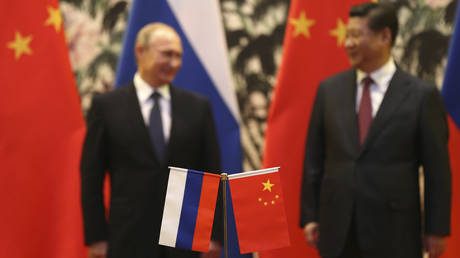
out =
column 205, row 70
column 189, row 209
column 451, row 95
column 451, row 88
column 205, row 64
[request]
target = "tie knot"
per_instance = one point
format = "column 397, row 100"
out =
column 155, row 96
column 367, row 81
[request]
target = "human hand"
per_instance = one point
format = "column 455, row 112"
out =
column 434, row 245
column 214, row 250
column 98, row 250
column 311, row 232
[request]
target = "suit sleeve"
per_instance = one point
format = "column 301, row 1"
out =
column 93, row 168
column 434, row 156
column 313, row 162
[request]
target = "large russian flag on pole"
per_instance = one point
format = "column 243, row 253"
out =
column 189, row 209
column 205, row 65
column 205, row 68
column 451, row 95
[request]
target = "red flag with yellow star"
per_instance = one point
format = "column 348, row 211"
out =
column 258, row 206
column 41, row 134
column 312, row 51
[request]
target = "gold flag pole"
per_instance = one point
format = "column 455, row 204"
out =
column 224, row 178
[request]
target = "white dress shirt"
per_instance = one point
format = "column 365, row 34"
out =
column 381, row 80
column 144, row 92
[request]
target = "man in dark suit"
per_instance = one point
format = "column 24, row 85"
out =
column 371, row 129
column 135, row 132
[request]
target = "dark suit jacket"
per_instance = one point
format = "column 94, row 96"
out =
column 118, row 141
column 378, row 183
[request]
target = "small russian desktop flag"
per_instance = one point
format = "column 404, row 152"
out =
column 189, row 209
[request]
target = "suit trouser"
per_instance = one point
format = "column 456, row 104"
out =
column 351, row 247
column 168, row 252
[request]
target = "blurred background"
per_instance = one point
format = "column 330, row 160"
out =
column 254, row 32
column 42, row 126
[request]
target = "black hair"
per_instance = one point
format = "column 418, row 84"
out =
column 379, row 16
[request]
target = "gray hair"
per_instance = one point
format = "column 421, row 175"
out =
column 144, row 36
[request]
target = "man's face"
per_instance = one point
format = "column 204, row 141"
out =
column 365, row 48
column 159, row 61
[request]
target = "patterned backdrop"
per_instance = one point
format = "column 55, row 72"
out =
column 254, row 30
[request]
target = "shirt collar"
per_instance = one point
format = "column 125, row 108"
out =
column 145, row 91
column 381, row 76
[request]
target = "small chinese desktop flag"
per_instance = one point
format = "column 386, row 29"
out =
column 259, row 210
column 189, row 209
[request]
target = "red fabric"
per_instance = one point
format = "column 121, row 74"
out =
column 453, row 247
column 41, row 134
column 205, row 216
column 306, row 61
column 365, row 111
column 259, row 212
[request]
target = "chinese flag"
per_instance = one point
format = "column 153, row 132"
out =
column 41, row 134
column 259, row 210
column 312, row 51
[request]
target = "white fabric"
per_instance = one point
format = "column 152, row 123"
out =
column 378, row 88
column 253, row 173
column 173, row 207
column 144, row 92
column 201, row 21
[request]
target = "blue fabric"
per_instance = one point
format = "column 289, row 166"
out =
column 189, row 212
column 156, row 128
column 451, row 88
column 191, row 76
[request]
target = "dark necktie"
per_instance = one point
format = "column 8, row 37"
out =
column 365, row 110
column 156, row 128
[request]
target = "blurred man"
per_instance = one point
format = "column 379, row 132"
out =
column 135, row 132
column 371, row 129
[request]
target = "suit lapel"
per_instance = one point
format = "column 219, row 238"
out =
column 395, row 94
column 349, row 116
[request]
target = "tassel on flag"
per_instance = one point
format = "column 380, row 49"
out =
column 189, row 209
column 258, row 205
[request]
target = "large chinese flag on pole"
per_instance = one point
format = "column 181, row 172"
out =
column 41, row 132
column 451, row 95
column 312, row 50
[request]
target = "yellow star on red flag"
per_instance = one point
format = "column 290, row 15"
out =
column 20, row 45
column 54, row 18
column 340, row 32
column 267, row 185
column 302, row 25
